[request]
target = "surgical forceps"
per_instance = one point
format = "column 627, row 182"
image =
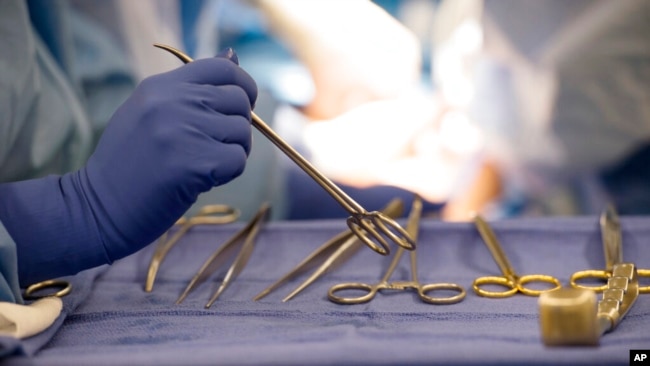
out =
column 368, row 226
column 333, row 252
column 31, row 292
column 509, row 278
column 208, row 215
column 610, row 228
column 422, row 290
column 247, row 236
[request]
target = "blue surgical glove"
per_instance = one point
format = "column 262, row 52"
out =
column 178, row 135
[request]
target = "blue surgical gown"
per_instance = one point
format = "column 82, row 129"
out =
column 61, row 77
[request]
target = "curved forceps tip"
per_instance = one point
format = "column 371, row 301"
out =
column 174, row 51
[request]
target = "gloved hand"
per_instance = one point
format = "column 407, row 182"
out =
column 180, row 134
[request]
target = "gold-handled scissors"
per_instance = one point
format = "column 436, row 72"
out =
column 610, row 228
column 332, row 253
column 208, row 215
column 372, row 227
column 509, row 278
column 383, row 284
column 35, row 291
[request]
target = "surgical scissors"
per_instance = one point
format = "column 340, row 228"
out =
column 370, row 227
column 509, row 278
column 610, row 228
column 422, row 290
column 31, row 291
column 246, row 236
column 208, row 215
column 333, row 252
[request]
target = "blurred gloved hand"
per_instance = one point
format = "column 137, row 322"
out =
column 180, row 134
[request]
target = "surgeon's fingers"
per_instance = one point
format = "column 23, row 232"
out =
column 231, row 129
column 225, row 170
column 225, row 99
column 216, row 71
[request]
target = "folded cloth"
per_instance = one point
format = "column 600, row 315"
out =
column 22, row 321
column 31, row 334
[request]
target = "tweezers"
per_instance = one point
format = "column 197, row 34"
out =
column 246, row 236
column 332, row 253
column 208, row 215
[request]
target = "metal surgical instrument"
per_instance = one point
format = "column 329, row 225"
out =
column 208, row 215
column 383, row 284
column 333, row 252
column 246, row 236
column 370, row 227
column 569, row 316
column 610, row 228
column 32, row 292
column 509, row 278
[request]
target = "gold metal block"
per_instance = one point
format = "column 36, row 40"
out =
column 568, row 317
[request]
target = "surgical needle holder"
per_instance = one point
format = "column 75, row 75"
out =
column 424, row 291
column 369, row 227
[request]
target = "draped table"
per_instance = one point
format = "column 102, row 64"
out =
column 110, row 320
